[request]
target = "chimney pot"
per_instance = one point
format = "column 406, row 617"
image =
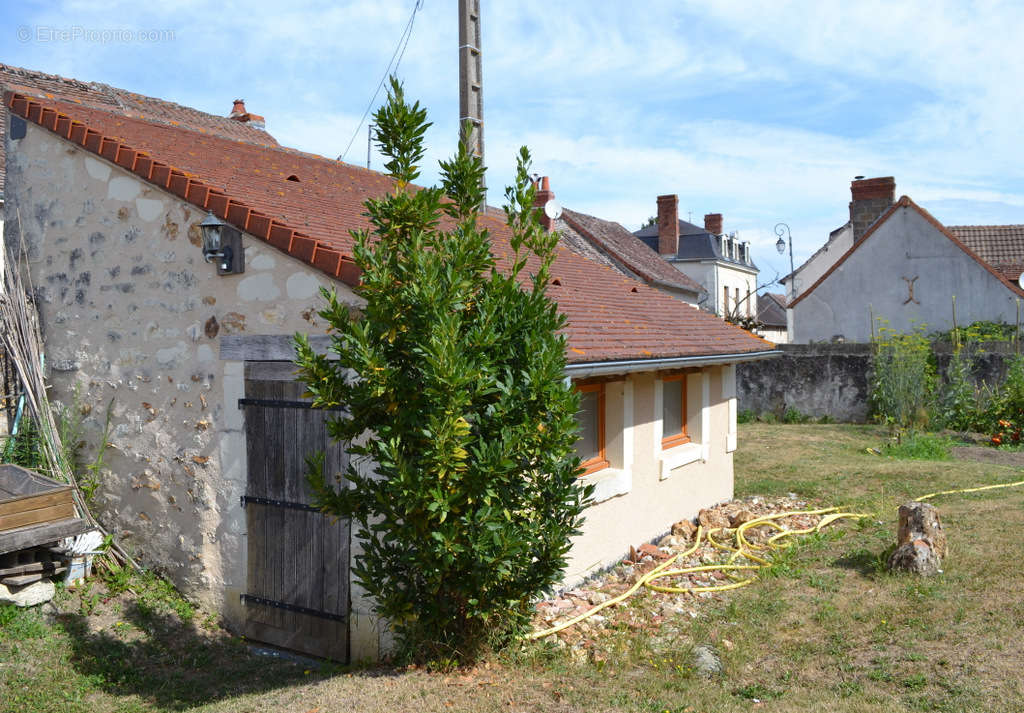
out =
column 668, row 224
column 238, row 109
column 713, row 223
column 544, row 194
column 870, row 198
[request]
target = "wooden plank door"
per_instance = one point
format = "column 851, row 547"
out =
column 298, row 558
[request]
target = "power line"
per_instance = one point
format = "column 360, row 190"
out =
column 399, row 52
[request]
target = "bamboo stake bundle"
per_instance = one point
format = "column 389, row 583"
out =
column 21, row 338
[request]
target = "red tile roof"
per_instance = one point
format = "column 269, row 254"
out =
column 1001, row 246
column 610, row 316
column 103, row 96
column 904, row 202
column 627, row 249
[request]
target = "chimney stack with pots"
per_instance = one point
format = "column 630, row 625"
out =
column 668, row 225
column 713, row 223
column 239, row 114
column 870, row 198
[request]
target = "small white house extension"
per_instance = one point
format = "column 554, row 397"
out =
column 205, row 476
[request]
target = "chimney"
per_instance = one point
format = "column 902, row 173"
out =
column 713, row 223
column 544, row 194
column 239, row 114
column 668, row 225
column 871, row 198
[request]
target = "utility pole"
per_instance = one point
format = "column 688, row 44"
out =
column 471, row 91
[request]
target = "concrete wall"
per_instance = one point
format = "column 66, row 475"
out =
column 905, row 248
column 132, row 315
column 646, row 489
column 832, row 379
column 817, row 380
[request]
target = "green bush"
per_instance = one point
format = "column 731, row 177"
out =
column 793, row 415
column 977, row 332
column 746, row 416
column 902, row 382
column 960, row 402
column 921, row 446
column 456, row 400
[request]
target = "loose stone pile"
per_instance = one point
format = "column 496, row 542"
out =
column 641, row 559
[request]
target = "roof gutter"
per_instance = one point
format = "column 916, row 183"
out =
column 627, row 366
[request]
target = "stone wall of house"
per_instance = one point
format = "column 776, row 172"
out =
column 132, row 316
column 832, row 379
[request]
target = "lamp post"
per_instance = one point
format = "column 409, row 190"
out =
column 780, row 245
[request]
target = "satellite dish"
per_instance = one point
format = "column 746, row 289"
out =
column 552, row 209
column 1020, row 281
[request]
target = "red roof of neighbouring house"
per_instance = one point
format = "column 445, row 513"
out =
column 622, row 247
column 1001, row 246
column 986, row 239
column 610, row 317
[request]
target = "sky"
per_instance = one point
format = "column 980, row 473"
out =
column 761, row 111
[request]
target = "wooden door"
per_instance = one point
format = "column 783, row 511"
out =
column 298, row 558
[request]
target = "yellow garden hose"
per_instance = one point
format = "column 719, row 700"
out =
column 741, row 550
column 968, row 490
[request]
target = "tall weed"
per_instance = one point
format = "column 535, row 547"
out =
column 902, row 381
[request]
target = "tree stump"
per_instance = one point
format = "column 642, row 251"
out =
column 920, row 541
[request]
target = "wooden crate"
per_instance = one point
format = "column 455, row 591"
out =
column 27, row 499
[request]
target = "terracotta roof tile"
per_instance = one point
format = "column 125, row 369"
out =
column 610, row 316
column 622, row 246
column 1001, row 246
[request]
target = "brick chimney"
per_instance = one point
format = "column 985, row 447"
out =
column 713, row 223
column 668, row 225
column 239, row 114
column 544, row 194
column 871, row 198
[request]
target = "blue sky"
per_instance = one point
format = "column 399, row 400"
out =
column 762, row 111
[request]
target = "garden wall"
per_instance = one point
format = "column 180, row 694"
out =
column 832, row 379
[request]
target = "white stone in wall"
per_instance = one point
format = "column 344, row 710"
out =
column 97, row 169
column 149, row 209
column 302, row 285
column 259, row 288
column 170, row 356
column 204, row 353
column 123, row 188
column 262, row 262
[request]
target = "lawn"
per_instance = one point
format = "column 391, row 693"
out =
column 826, row 629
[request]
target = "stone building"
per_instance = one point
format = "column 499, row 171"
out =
column 106, row 210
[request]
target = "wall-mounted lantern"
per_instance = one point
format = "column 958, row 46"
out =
column 223, row 242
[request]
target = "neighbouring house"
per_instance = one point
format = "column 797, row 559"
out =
column 719, row 262
column 610, row 244
column 205, row 472
column 903, row 266
column 771, row 313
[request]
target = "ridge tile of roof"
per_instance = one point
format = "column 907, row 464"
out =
column 610, row 317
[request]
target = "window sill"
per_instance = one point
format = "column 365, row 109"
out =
column 679, row 456
column 608, row 483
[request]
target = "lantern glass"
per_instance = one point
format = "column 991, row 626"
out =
column 780, row 245
column 211, row 228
